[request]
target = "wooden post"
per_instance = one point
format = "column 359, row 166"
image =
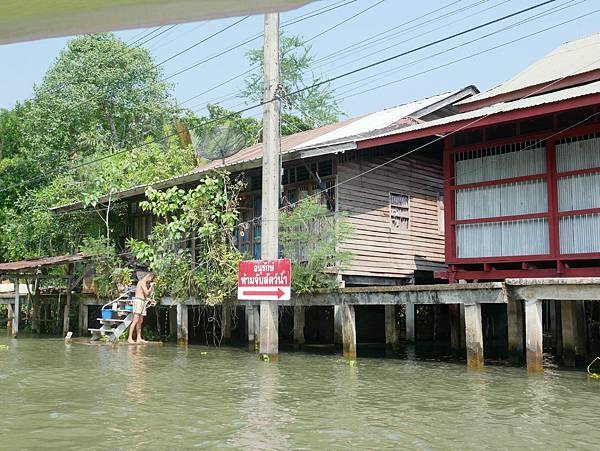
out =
column 337, row 326
column 462, row 326
column 348, row 331
column 182, row 324
column 173, row 321
column 473, row 335
column 533, row 334
column 299, row 325
column 225, row 323
column 256, row 317
column 83, row 318
column 555, row 327
column 67, row 310
column 269, row 330
column 409, row 316
column 249, row 312
column 10, row 319
column 573, row 335
column 17, row 311
column 454, row 318
column 271, row 181
column 391, row 328
column 514, row 313
column 35, row 313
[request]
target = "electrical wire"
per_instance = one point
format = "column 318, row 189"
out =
column 319, row 83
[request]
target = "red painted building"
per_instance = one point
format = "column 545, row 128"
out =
column 522, row 171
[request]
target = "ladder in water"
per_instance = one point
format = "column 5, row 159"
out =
column 121, row 319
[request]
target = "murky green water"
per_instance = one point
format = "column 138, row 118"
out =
column 164, row 397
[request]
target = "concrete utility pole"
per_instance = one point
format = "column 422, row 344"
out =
column 269, row 310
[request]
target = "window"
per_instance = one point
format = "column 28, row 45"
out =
column 399, row 212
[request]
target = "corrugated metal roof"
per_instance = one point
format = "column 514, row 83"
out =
column 560, row 63
column 333, row 138
column 503, row 107
column 29, row 266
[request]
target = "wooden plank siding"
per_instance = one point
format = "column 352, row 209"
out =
column 378, row 249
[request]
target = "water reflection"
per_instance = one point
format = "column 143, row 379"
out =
column 131, row 397
column 264, row 417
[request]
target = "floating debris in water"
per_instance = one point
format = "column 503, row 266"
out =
column 3, row 347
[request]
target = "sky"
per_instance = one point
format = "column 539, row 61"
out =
column 354, row 34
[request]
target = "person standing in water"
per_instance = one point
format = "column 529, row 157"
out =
column 140, row 301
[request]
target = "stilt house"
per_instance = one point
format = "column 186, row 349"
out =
column 396, row 207
column 522, row 171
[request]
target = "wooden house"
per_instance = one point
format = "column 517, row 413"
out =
column 396, row 208
column 522, row 171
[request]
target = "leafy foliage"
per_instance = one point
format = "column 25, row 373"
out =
column 313, row 107
column 112, row 275
column 310, row 236
column 206, row 215
column 99, row 97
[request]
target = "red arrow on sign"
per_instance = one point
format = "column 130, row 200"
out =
column 277, row 293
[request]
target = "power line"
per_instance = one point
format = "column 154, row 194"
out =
column 396, row 69
column 145, row 36
column 257, row 36
column 157, row 35
column 332, row 56
column 379, row 74
column 319, row 83
column 203, row 40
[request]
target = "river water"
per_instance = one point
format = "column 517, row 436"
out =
column 57, row 396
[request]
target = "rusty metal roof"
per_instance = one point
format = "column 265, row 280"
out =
column 330, row 139
column 31, row 266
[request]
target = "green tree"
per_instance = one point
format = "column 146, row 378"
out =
column 99, row 94
column 99, row 97
column 315, row 106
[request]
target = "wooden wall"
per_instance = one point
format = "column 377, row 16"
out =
column 379, row 250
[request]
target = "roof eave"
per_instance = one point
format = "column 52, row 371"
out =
column 483, row 121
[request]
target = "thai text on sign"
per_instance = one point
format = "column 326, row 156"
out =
column 265, row 280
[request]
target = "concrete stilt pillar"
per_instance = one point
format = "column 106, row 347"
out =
column 473, row 335
column 514, row 312
column 573, row 332
column 337, row 325
column 533, row 335
column 182, row 324
column 299, row 322
column 173, row 321
column 269, row 330
column 348, row 331
column 225, row 323
column 256, row 310
column 249, row 313
column 455, row 330
column 391, row 327
column 83, row 319
column 410, row 322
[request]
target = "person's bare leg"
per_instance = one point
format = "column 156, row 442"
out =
column 132, row 326
column 139, row 330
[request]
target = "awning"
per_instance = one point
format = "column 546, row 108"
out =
column 32, row 266
column 27, row 20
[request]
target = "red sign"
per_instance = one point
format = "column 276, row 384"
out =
column 265, row 280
